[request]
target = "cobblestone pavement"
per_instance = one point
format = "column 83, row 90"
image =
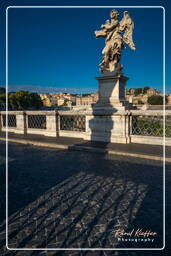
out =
column 65, row 199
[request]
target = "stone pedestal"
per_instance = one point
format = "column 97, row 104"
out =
column 112, row 92
column 108, row 128
column 109, row 121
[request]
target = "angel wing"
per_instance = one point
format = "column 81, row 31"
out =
column 127, row 26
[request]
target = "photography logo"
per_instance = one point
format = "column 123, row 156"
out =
column 135, row 235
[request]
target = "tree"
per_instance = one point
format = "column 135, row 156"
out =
column 2, row 98
column 35, row 100
column 128, row 91
column 85, row 94
column 138, row 91
column 12, row 101
column 145, row 89
column 2, row 90
column 24, row 100
column 65, row 103
column 156, row 100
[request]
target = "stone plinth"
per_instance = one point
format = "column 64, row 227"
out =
column 109, row 127
column 112, row 92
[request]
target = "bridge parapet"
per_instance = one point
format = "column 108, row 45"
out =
column 138, row 126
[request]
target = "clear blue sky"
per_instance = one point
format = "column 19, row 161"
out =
column 57, row 47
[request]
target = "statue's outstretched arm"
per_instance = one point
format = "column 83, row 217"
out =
column 109, row 27
column 105, row 29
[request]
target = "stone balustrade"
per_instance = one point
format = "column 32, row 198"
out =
column 130, row 126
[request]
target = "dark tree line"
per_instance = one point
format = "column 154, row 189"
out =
column 22, row 100
column 156, row 100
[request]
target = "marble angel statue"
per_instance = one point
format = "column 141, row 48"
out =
column 116, row 34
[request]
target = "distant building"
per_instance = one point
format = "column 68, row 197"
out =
column 95, row 97
column 54, row 101
column 151, row 92
column 169, row 99
column 57, row 99
column 87, row 100
column 141, row 98
column 61, row 102
column 73, row 100
column 45, row 99
column 132, row 91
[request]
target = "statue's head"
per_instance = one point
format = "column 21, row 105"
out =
column 114, row 14
column 126, row 13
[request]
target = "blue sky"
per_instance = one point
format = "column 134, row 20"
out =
column 57, row 47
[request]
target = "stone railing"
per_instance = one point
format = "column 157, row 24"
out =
column 148, row 127
column 48, row 123
column 137, row 126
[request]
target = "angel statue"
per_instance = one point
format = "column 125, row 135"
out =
column 116, row 35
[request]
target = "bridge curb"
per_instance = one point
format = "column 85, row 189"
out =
column 86, row 148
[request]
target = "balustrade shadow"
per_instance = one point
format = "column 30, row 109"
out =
column 60, row 198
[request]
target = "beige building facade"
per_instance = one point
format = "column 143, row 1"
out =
column 151, row 92
column 169, row 99
column 57, row 99
column 141, row 98
column 87, row 100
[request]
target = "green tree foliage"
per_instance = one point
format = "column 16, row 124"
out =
column 65, row 103
column 35, row 100
column 128, row 91
column 2, row 98
column 138, row 91
column 24, row 100
column 145, row 89
column 12, row 101
column 2, row 90
column 156, row 100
